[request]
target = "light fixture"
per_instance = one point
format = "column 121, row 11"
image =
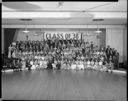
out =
column 98, row 30
column 26, row 31
column 97, row 19
column 60, row 4
column 37, row 33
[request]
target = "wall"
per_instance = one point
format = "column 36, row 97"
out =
column 21, row 36
column 98, row 39
column 125, row 45
column 114, row 38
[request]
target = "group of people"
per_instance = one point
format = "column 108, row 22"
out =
column 62, row 54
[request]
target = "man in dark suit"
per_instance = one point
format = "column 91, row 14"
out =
column 28, row 65
column 49, row 65
column 58, row 64
column 108, row 49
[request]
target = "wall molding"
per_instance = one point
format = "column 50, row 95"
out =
column 63, row 26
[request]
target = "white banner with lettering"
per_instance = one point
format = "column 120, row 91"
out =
column 62, row 35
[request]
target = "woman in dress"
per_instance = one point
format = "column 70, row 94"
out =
column 63, row 64
column 100, row 65
column 81, row 65
column 40, row 63
column 45, row 63
column 33, row 64
column 111, row 66
column 88, row 64
column 58, row 65
column 96, row 64
column 36, row 64
column 82, row 57
column 23, row 64
column 54, row 64
column 105, row 66
column 20, row 64
column 73, row 65
column 67, row 64
column 85, row 64
column 14, row 54
column 78, row 64
column 92, row 64
column 9, row 51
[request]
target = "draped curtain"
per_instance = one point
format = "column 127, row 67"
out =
column 9, row 34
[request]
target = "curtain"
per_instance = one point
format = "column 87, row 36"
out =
column 9, row 34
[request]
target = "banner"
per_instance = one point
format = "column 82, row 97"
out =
column 62, row 35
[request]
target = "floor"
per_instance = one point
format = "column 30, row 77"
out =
column 63, row 85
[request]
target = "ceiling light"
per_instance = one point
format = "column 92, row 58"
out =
column 26, row 19
column 60, row 4
column 26, row 31
column 98, row 31
column 35, row 34
column 98, row 19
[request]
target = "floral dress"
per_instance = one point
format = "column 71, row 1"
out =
column 23, row 64
column 9, row 52
column 88, row 65
column 85, row 65
column 73, row 66
column 81, row 65
column 100, row 65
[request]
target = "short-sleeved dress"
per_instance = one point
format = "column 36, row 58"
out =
column 44, row 64
column 85, row 65
column 73, row 66
column 33, row 65
column 64, row 65
column 23, row 64
column 92, row 64
column 88, row 65
column 81, row 65
column 100, row 65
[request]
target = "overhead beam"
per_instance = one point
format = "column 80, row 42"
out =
column 63, row 26
column 39, row 15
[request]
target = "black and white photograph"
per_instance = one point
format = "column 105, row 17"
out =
column 61, row 50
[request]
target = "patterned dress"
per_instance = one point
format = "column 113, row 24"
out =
column 9, row 52
column 73, row 66
column 81, row 65
column 88, row 64
column 23, row 64
column 85, row 65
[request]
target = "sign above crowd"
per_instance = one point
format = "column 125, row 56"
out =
column 62, row 35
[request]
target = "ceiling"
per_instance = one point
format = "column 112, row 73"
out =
column 113, row 12
column 121, row 5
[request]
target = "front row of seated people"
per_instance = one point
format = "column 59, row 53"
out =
column 64, row 64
